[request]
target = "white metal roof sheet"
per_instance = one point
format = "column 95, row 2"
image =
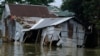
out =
column 49, row 22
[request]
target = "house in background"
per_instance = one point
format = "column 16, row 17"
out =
column 60, row 13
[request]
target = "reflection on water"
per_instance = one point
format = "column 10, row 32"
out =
column 36, row 50
column 18, row 50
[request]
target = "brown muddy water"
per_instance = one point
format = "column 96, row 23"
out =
column 36, row 50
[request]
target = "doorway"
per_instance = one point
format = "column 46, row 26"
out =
column 33, row 36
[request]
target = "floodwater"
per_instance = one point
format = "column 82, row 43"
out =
column 36, row 50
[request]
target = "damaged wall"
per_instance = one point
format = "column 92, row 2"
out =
column 72, row 33
column 5, row 14
column 51, row 34
column 69, row 34
column 12, row 28
column 19, row 33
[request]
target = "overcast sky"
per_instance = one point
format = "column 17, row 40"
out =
column 56, row 3
column 1, row 0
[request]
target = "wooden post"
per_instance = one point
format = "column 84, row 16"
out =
column 27, row 37
column 98, row 39
column 37, row 36
column 51, row 41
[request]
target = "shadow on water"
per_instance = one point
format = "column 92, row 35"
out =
column 92, row 52
column 36, row 50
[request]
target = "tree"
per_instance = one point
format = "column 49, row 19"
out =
column 92, row 11
column 13, row 1
column 40, row 2
column 35, row 2
column 73, row 6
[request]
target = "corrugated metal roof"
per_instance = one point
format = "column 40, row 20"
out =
column 61, row 21
column 50, row 22
column 30, row 11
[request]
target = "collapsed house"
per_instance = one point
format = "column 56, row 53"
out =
column 34, row 23
column 55, row 31
column 16, row 17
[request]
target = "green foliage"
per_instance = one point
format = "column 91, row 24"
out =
column 39, row 2
column 73, row 6
column 36, row 2
column 13, row 1
column 1, row 10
